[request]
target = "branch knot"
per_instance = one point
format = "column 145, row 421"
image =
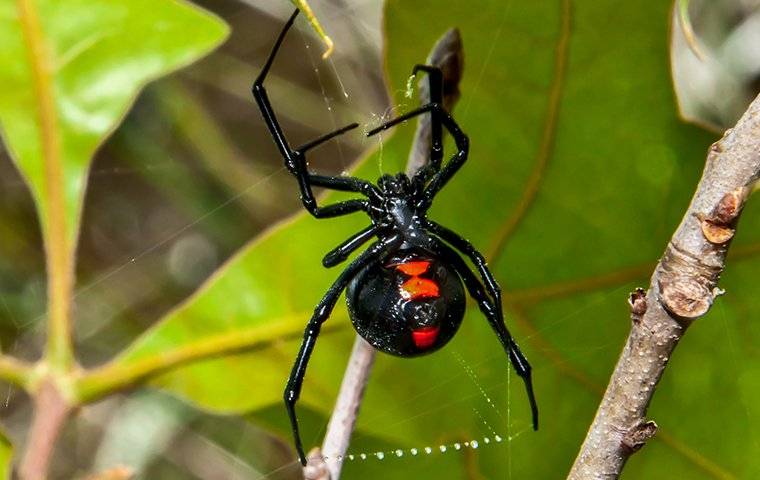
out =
column 720, row 225
column 638, row 435
column 638, row 303
column 686, row 282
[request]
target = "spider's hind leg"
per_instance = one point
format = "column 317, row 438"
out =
column 321, row 313
column 468, row 249
column 496, row 319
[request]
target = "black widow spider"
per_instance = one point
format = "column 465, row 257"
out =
column 404, row 292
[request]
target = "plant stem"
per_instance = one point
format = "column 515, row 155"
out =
column 682, row 289
column 58, row 252
column 303, row 5
column 121, row 374
column 16, row 372
column 50, row 413
column 50, row 410
column 344, row 414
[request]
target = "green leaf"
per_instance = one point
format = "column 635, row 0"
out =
column 579, row 172
column 6, row 457
column 70, row 69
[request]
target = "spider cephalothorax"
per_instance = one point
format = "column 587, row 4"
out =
column 394, row 186
column 405, row 292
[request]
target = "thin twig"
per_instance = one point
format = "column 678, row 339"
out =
column 50, row 410
column 59, row 254
column 120, row 374
column 17, row 372
column 50, row 414
column 303, row 5
column 326, row 463
column 682, row 289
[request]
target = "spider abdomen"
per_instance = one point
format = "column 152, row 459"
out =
column 410, row 304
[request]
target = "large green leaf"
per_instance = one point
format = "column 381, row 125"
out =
column 71, row 68
column 579, row 172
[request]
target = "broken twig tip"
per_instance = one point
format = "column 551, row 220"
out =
column 316, row 466
column 330, row 47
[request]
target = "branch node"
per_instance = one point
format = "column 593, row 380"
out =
column 686, row 281
column 730, row 205
column 685, row 297
column 638, row 435
column 717, row 147
column 638, row 303
column 719, row 227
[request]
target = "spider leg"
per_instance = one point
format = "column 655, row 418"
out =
column 406, row 116
column 344, row 184
column 496, row 319
column 321, row 312
column 461, row 244
column 342, row 251
column 341, row 183
column 441, row 178
column 328, row 136
column 435, row 82
column 295, row 160
column 453, row 165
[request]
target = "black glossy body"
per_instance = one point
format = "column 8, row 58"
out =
column 384, row 310
column 386, row 318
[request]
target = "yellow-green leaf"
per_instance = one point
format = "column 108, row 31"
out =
column 70, row 70
column 6, row 457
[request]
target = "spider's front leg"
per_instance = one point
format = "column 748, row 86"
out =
column 342, row 251
column 435, row 93
column 461, row 140
column 496, row 319
column 295, row 160
column 321, row 312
